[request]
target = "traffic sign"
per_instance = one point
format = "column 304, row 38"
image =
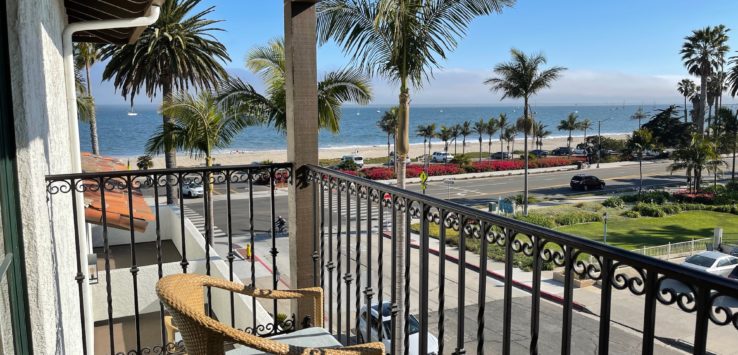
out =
column 423, row 177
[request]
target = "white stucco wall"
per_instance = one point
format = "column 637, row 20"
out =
column 6, row 331
column 42, row 137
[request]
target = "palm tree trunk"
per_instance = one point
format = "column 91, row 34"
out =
column 703, row 102
column 685, row 109
column 480, row 148
column 463, row 146
column 93, row 116
column 489, row 145
column 208, row 185
column 455, row 145
column 640, row 172
column 735, row 144
column 501, row 149
column 525, row 152
column 388, row 148
column 170, row 157
column 401, row 149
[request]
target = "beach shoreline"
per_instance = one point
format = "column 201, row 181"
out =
column 240, row 157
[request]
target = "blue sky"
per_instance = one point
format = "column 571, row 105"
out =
column 615, row 51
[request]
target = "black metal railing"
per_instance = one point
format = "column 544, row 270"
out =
column 343, row 197
column 106, row 191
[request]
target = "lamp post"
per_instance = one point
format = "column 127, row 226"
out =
column 605, row 231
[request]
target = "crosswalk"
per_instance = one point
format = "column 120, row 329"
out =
column 351, row 208
column 199, row 222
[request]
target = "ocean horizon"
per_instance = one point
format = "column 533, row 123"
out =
column 121, row 135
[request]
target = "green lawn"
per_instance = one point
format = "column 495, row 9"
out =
column 634, row 233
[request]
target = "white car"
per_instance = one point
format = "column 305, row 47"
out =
column 386, row 329
column 392, row 159
column 192, row 189
column 713, row 262
column 357, row 159
column 441, row 157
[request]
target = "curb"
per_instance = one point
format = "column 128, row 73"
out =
column 499, row 277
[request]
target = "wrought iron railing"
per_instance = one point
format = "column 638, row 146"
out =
column 78, row 190
column 356, row 217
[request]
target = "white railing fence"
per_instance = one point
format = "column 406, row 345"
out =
column 676, row 250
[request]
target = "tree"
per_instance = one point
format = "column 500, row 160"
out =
column 509, row 136
column 335, row 89
column 480, row 127
column 695, row 157
column 585, row 125
column 541, row 133
column 639, row 115
column 465, row 131
column 667, row 129
column 570, row 124
column 446, row 134
column 199, row 127
column 491, row 128
column 522, row 78
column 388, row 124
column 502, row 123
column 714, row 91
column 702, row 53
column 179, row 51
column 85, row 55
column 640, row 141
column 427, row 132
column 455, row 132
column 687, row 88
column 726, row 134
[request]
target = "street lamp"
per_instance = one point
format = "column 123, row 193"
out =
column 599, row 140
column 605, row 232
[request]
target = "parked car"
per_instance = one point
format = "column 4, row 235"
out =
column 586, row 182
column 539, row 153
column 441, row 157
column 501, row 155
column 561, row 151
column 357, row 159
column 579, row 152
column 734, row 274
column 192, row 189
column 383, row 324
column 392, row 159
column 713, row 262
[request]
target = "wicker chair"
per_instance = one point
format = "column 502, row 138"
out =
column 183, row 296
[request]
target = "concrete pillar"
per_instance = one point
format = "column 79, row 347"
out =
column 302, row 139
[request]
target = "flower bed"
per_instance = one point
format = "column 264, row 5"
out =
column 414, row 170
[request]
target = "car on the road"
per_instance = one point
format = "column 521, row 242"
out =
column 192, row 189
column 586, row 182
column 713, row 262
column 383, row 323
column 357, row 159
column 561, row 151
column 579, row 152
column 539, row 153
column 441, row 157
column 501, row 155
column 392, row 159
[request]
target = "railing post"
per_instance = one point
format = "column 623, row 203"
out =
column 668, row 251
column 302, row 139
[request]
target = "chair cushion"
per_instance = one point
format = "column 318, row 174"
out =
column 314, row 337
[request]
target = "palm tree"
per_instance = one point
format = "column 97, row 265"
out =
column 714, row 91
column 465, row 131
column 570, row 124
column 480, row 127
column 638, row 115
column 702, row 53
column 85, row 104
column 85, row 55
column 446, row 134
column 388, row 124
column 179, row 51
column 585, row 125
column 427, row 132
column 509, row 136
column 502, row 124
column 336, row 88
column 639, row 142
column 522, row 78
column 199, row 127
column 491, row 128
column 455, row 132
column 687, row 88
column 699, row 155
column 541, row 132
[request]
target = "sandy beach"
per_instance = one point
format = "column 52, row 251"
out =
column 236, row 157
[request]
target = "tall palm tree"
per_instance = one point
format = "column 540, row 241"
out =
column 268, row 61
column 455, row 132
column 85, row 55
column 571, row 123
column 446, row 134
column 585, row 125
column 427, row 132
column 638, row 115
column 639, row 142
column 502, row 123
column 508, row 135
column 85, row 104
column 687, row 88
column 465, row 131
column 179, row 51
column 702, row 53
column 480, row 127
column 714, row 91
column 699, row 155
column 541, row 132
column 388, row 124
column 199, row 126
column 491, row 128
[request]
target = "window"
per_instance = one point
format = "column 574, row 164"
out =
column 700, row 260
column 727, row 262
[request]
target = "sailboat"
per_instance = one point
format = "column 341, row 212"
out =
column 132, row 112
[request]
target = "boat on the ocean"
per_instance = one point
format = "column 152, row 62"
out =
column 132, row 112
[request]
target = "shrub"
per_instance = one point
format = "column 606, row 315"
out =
column 657, row 197
column 701, row 197
column 577, row 217
column 649, row 210
column 378, row 173
column 461, row 160
column 671, row 208
column 631, row 214
column 347, row 165
column 538, row 219
column 732, row 186
column 614, row 202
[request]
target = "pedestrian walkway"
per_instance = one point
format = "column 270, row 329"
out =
column 199, row 222
column 352, row 209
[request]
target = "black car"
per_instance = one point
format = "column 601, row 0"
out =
column 539, row 153
column 586, row 182
column 501, row 155
column 562, row 151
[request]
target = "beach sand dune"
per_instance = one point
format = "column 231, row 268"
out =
column 237, row 157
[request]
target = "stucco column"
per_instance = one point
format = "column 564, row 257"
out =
column 302, row 139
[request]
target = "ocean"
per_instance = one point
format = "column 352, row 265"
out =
column 124, row 136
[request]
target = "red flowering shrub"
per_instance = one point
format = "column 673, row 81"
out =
column 378, row 173
column 551, row 162
column 700, row 197
column 350, row 172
